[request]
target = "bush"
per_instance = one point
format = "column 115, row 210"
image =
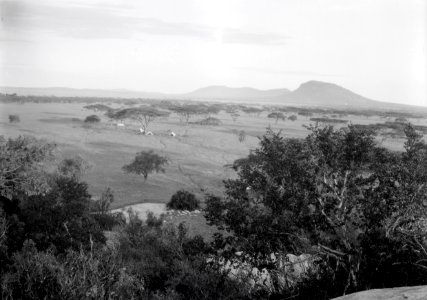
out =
column 14, row 119
column 92, row 119
column 183, row 200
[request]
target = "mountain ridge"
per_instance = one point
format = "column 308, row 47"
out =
column 310, row 93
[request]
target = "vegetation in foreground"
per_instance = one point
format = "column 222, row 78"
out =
column 356, row 209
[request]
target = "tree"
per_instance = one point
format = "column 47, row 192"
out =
column 22, row 164
column 277, row 116
column 146, row 162
column 92, row 119
column 183, row 200
column 292, row 118
column 252, row 110
column 336, row 194
column 234, row 116
column 185, row 112
column 14, row 119
column 242, row 136
column 73, row 167
column 144, row 115
column 98, row 107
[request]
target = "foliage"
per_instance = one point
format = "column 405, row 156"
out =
column 328, row 120
column 61, row 218
column 146, row 162
column 183, row 200
column 292, row 118
column 73, row 167
column 92, row 119
column 242, row 136
column 209, row 121
column 185, row 112
column 22, row 165
column 337, row 195
column 101, row 211
column 277, row 116
column 234, row 116
column 145, row 115
column 98, row 107
column 252, row 110
column 14, row 119
column 165, row 259
column 77, row 275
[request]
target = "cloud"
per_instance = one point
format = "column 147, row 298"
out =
column 26, row 19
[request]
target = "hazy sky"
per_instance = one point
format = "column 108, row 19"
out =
column 376, row 48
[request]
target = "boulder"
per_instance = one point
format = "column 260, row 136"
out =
column 400, row 293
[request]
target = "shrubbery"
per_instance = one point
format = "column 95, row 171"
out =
column 183, row 200
column 14, row 119
column 92, row 119
column 356, row 208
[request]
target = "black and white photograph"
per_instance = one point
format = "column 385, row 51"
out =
column 213, row 149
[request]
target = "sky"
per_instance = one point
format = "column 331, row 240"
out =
column 376, row 48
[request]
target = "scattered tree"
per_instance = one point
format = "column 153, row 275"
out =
column 146, row 162
column 144, row 115
column 98, row 107
column 277, row 116
column 292, row 118
column 92, row 119
column 252, row 110
column 14, row 119
column 210, row 121
column 242, row 136
column 234, row 116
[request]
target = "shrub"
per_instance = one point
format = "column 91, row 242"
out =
column 14, row 119
column 183, row 200
column 92, row 119
column 292, row 118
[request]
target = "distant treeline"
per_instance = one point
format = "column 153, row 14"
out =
column 170, row 104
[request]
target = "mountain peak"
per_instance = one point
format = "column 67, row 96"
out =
column 325, row 93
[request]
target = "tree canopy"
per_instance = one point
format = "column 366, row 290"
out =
column 145, row 115
column 337, row 195
column 146, row 162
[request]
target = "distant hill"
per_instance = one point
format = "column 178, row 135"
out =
column 71, row 92
column 218, row 92
column 325, row 94
column 311, row 93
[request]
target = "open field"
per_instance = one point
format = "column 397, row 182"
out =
column 198, row 155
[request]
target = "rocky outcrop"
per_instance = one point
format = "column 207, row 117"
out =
column 400, row 293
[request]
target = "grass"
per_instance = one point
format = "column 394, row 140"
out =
column 197, row 155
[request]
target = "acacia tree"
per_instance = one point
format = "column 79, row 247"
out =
column 277, row 116
column 185, row 112
column 144, row 115
column 252, row 110
column 146, row 162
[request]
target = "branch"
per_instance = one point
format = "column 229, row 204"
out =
column 332, row 251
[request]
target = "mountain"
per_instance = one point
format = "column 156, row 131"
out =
column 220, row 92
column 325, row 94
column 311, row 93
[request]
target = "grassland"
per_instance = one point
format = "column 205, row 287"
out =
column 198, row 155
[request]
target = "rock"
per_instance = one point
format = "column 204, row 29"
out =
column 400, row 293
